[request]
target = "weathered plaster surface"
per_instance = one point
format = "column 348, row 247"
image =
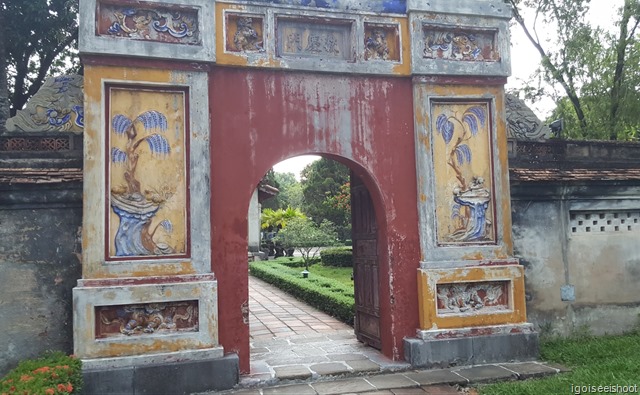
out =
column 601, row 266
column 429, row 279
column 260, row 118
column 87, row 298
column 273, row 32
column 96, row 162
column 434, row 255
column 386, row 6
column 39, row 265
column 91, row 43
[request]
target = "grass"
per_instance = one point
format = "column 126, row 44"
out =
column 341, row 274
column 594, row 361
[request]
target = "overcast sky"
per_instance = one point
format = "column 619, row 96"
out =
column 524, row 61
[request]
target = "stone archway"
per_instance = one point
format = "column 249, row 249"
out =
column 189, row 102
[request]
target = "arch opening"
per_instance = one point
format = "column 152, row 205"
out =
column 280, row 324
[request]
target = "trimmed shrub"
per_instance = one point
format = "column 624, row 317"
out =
column 325, row 294
column 341, row 257
column 53, row 373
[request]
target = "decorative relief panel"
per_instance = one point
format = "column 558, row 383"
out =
column 244, row 33
column 148, row 22
column 461, row 136
column 381, row 42
column 147, row 174
column 314, row 38
column 58, row 106
column 465, row 45
column 481, row 297
column 146, row 319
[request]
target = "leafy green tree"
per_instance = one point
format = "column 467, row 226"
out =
column 305, row 236
column 290, row 191
column 596, row 70
column 40, row 40
column 322, row 181
column 278, row 219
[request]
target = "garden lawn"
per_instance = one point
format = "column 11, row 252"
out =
column 594, row 361
column 341, row 274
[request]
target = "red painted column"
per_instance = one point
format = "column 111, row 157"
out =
column 259, row 118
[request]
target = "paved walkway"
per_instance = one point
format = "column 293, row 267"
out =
column 291, row 340
column 296, row 349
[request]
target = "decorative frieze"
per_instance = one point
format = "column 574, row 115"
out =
column 460, row 44
column 147, row 22
column 146, row 319
column 472, row 298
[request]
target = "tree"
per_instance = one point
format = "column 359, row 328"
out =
column 596, row 71
column 322, row 181
column 278, row 219
column 40, row 39
column 290, row 191
column 306, row 237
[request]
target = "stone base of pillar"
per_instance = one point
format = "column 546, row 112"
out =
column 472, row 346
column 167, row 373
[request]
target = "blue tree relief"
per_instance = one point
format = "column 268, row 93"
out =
column 134, row 208
column 470, row 199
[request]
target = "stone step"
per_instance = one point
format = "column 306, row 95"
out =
column 440, row 381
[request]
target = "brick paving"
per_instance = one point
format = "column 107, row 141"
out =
column 296, row 349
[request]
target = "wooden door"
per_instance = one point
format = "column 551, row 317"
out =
column 364, row 235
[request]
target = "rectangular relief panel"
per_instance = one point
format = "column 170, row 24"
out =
column 146, row 319
column 461, row 134
column 462, row 44
column 148, row 179
column 244, row 32
column 148, row 22
column 473, row 298
column 315, row 38
column 381, row 42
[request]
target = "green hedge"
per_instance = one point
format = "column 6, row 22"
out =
column 294, row 261
column 342, row 257
column 330, row 296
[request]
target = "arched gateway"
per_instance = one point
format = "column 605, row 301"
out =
column 189, row 102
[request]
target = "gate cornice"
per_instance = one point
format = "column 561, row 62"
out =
column 393, row 38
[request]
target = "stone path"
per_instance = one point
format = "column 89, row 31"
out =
column 293, row 341
column 296, row 349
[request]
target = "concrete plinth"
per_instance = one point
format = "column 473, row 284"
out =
column 184, row 377
column 470, row 347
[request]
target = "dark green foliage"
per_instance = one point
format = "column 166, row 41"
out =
column 342, row 257
column 321, row 184
column 53, row 373
column 330, row 296
column 40, row 39
column 295, row 261
column 592, row 71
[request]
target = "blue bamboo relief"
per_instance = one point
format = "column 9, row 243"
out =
column 470, row 200
column 134, row 207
